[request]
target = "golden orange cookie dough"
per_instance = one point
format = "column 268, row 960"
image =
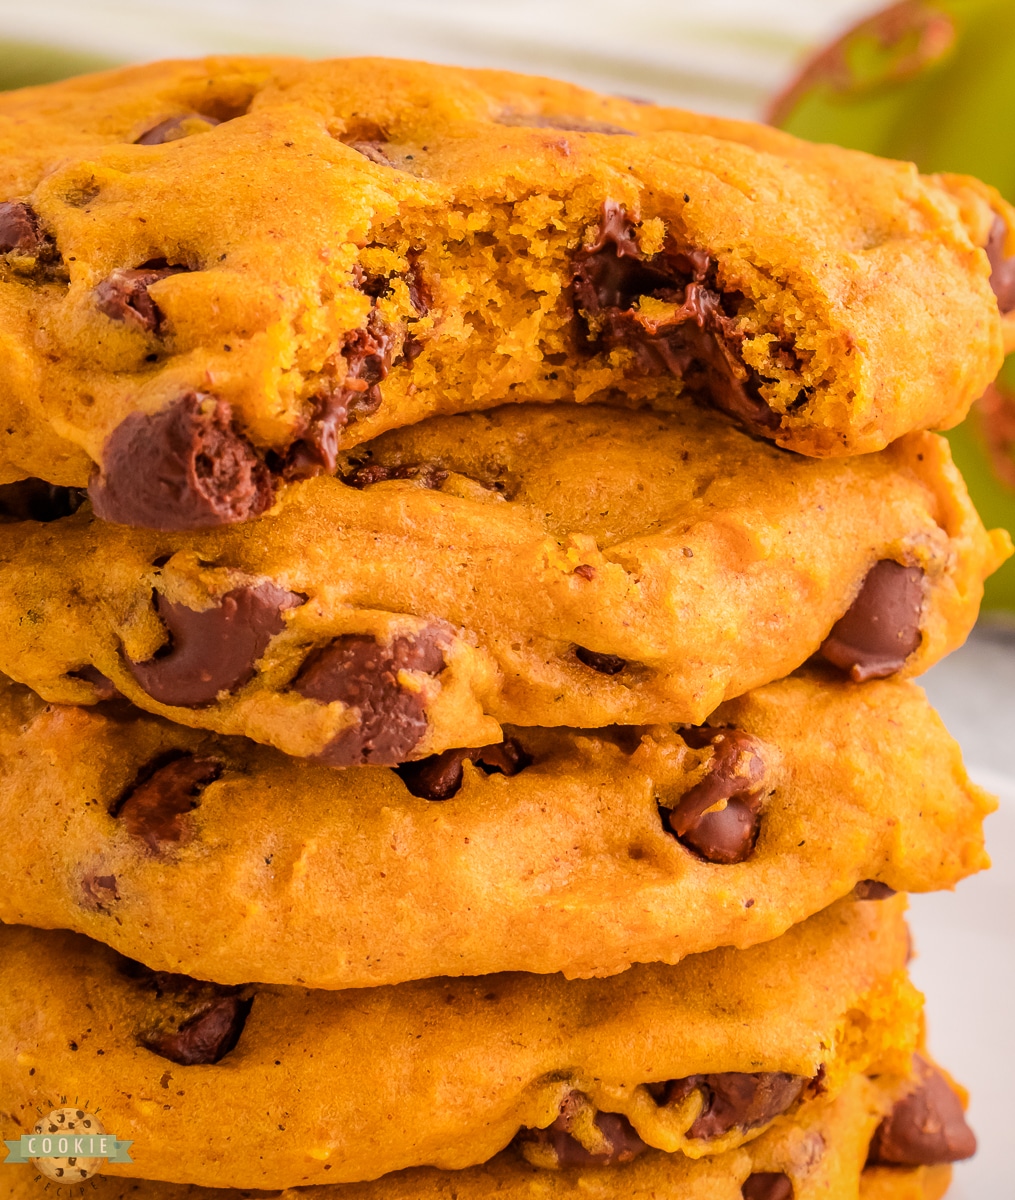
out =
column 331, row 1087
column 215, row 271
column 558, row 853
column 820, row 1150
column 537, row 566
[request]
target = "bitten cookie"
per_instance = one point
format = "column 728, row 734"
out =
column 556, row 851
column 213, row 274
column 323, row 1087
column 537, row 566
column 815, row 1154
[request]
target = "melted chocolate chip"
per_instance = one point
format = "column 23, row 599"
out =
column 186, row 467
column 123, row 296
column 172, row 129
column 367, row 354
column 440, row 776
column 100, row 891
column 20, row 232
column 925, row 1128
column 872, row 889
column 213, row 650
column 735, row 775
column 620, row 1142
column 419, row 290
column 152, row 808
column 37, row 500
column 697, row 342
column 562, row 121
column 372, row 150
column 767, row 1185
column 605, row 664
column 205, row 1037
column 732, row 1100
column 1002, row 272
column 428, row 475
column 363, row 674
column 881, row 628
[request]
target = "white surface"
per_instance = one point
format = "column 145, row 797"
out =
column 725, row 56
column 965, row 941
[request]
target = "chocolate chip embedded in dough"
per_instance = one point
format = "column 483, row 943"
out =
column 617, row 1140
column 881, row 628
column 440, row 776
column 1002, row 272
column 151, row 810
column 123, row 296
column 767, row 1185
column 362, row 673
column 185, row 467
column 925, row 1128
column 732, row 1099
column 100, row 891
column 872, row 889
column 207, row 1036
column 562, row 121
column 175, row 128
column 213, row 650
column 605, row 664
column 105, row 689
column 427, row 475
column 736, row 775
column 20, row 231
column 697, row 342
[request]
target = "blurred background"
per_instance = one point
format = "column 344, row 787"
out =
column 928, row 80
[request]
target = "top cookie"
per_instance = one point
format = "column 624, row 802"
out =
column 216, row 273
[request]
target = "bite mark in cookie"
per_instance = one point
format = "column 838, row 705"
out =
column 185, row 467
column 697, row 341
column 215, row 649
column 363, row 674
column 881, row 628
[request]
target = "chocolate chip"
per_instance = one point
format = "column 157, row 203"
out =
column 185, row 467
column 100, row 891
column 767, row 1185
column 428, row 475
column 363, row 674
column 925, row 1128
column 152, row 807
column 698, row 342
column 619, row 1142
column 367, row 355
column 872, row 889
column 123, row 296
column 205, row 1037
column 213, row 650
column 881, row 628
column 549, row 121
column 37, row 500
column 735, row 775
column 440, row 776
column 20, row 231
column 172, row 129
column 1002, row 272
column 105, row 689
column 419, row 290
column 732, row 1100
column 605, row 664
column 372, row 150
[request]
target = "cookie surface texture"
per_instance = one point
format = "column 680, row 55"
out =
column 346, row 247
column 559, row 851
column 538, row 566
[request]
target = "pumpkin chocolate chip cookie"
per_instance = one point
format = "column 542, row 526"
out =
column 816, row 1153
column 214, row 275
column 530, row 566
column 556, row 850
column 333, row 1087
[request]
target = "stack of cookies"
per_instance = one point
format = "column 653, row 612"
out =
column 465, row 542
